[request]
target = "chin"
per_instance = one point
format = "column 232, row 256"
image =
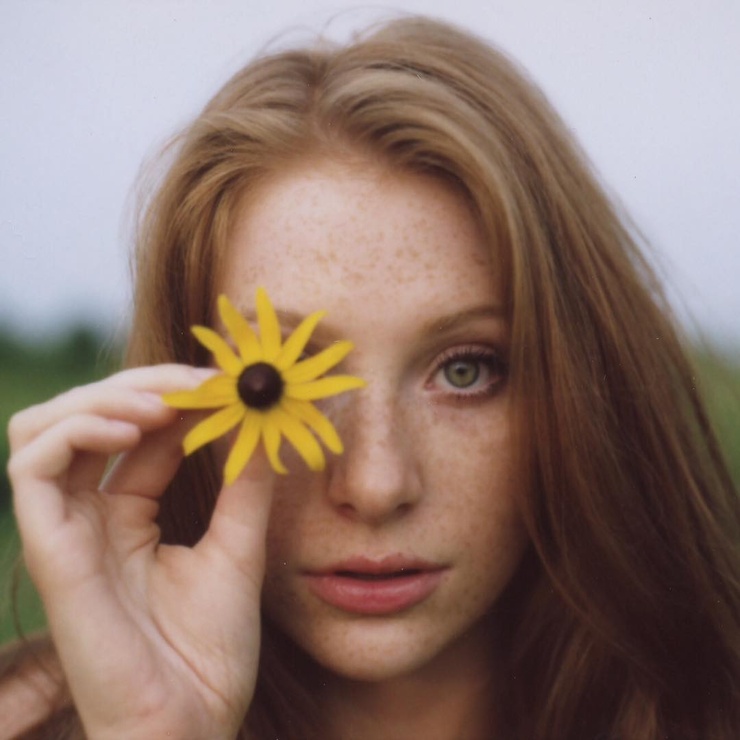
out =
column 378, row 665
column 383, row 649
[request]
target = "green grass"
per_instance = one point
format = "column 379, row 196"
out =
column 19, row 603
column 720, row 386
column 30, row 374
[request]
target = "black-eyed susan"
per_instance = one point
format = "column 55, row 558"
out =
column 266, row 388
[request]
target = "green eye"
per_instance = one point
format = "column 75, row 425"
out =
column 462, row 373
column 469, row 373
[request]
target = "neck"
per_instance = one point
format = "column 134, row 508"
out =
column 454, row 697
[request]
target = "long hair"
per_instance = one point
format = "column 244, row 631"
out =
column 624, row 620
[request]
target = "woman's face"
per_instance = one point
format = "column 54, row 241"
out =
column 388, row 560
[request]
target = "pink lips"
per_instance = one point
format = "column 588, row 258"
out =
column 376, row 587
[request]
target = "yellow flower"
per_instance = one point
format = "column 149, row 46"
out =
column 266, row 388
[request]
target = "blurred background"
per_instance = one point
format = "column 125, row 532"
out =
column 90, row 91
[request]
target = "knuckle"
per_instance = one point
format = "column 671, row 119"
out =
column 72, row 394
column 15, row 468
column 18, row 426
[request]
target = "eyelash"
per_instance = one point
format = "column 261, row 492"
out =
column 487, row 360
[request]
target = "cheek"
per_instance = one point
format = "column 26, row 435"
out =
column 285, row 513
column 470, row 470
column 470, row 453
column 293, row 516
column 286, row 528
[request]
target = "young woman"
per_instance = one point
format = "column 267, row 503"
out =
column 530, row 533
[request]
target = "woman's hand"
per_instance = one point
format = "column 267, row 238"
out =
column 155, row 640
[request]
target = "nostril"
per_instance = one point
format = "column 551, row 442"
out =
column 367, row 513
column 346, row 510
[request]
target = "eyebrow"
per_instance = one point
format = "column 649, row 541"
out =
column 443, row 324
column 452, row 321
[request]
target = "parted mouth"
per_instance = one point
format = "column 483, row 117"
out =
column 364, row 576
column 376, row 587
column 376, row 569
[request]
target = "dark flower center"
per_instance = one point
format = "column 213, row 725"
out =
column 260, row 386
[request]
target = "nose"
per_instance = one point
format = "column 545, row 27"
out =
column 376, row 479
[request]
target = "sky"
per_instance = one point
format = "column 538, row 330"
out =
column 90, row 91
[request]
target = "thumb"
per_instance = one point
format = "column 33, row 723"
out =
column 238, row 526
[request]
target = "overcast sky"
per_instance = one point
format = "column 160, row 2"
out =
column 89, row 89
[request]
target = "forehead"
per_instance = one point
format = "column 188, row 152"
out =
column 358, row 234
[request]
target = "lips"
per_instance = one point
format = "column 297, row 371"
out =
column 376, row 587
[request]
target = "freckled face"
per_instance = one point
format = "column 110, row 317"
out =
column 427, row 476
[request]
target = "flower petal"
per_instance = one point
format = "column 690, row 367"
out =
column 223, row 354
column 271, row 437
column 297, row 341
column 246, row 441
column 250, row 349
column 311, row 368
column 328, row 386
column 269, row 326
column 212, row 427
column 211, row 394
column 303, row 441
column 309, row 414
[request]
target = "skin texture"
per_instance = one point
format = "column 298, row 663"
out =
column 141, row 656
column 399, row 264
column 427, row 473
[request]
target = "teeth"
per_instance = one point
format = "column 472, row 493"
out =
column 376, row 576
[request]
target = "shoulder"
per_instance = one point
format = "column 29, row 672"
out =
column 34, row 702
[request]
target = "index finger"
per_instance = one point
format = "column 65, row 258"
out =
column 109, row 398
